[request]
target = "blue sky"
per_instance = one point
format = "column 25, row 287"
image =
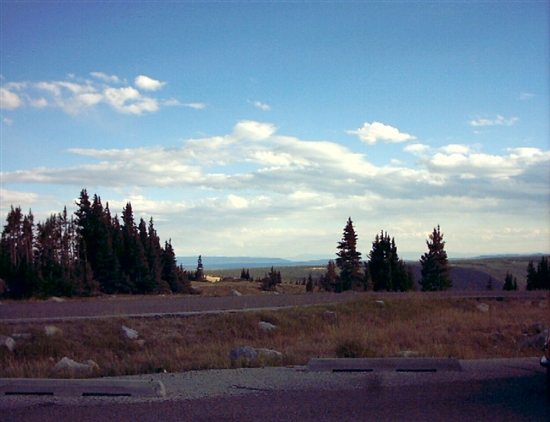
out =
column 257, row 128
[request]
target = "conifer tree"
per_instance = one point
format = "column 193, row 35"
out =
column 348, row 258
column 510, row 282
column 435, row 266
column 387, row 271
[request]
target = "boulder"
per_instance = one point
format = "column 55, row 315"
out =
column 483, row 307
column 250, row 355
column 56, row 299
column 75, row 368
column 266, row 326
column 52, row 330
column 235, row 293
column 7, row 342
column 380, row 302
column 129, row 333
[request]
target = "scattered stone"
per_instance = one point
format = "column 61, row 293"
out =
column 266, row 326
column 483, row 307
column 56, row 299
column 75, row 368
column 7, row 342
column 235, row 293
column 52, row 330
column 129, row 333
column 140, row 342
column 251, row 355
column 535, row 341
column 408, row 354
column 380, row 302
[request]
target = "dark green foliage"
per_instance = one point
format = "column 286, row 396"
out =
column 510, row 282
column 386, row 271
column 539, row 278
column 271, row 280
column 80, row 256
column 330, row 281
column 309, row 284
column 349, row 259
column 435, row 266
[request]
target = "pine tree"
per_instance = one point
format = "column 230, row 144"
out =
column 539, row 278
column 330, row 281
column 435, row 267
column 387, row 271
column 199, row 274
column 349, row 259
column 510, row 282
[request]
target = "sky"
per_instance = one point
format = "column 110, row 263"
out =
column 257, row 128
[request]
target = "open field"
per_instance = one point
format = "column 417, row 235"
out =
column 412, row 324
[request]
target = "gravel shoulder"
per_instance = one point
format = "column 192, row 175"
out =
column 197, row 385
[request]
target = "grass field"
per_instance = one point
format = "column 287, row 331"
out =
column 413, row 325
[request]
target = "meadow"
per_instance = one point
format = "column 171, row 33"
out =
column 414, row 324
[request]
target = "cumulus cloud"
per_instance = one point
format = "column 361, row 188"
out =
column 9, row 100
column 275, row 190
column 148, row 84
column 76, row 95
column 373, row 132
column 498, row 121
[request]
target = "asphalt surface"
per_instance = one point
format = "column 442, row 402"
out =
column 148, row 306
column 485, row 390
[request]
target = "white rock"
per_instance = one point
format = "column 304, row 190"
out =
column 235, row 293
column 75, row 368
column 56, row 299
column 380, row 302
column 129, row 333
column 7, row 342
column 266, row 326
column 52, row 330
column 483, row 307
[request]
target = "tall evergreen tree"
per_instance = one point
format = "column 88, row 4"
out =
column 387, row 271
column 539, row 278
column 330, row 281
column 510, row 282
column 435, row 266
column 349, row 258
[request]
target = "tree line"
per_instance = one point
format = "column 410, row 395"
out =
column 87, row 253
column 383, row 270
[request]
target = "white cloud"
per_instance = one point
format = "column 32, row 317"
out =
column 254, row 191
column 106, row 78
column 9, row 100
column 373, row 132
column 260, row 105
column 7, row 121
column 148, row 84
column 526, row 96
column 76, row 94
column 196, row 106
column 498, row 121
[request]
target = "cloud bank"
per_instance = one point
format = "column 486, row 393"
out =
column 254, row 191
column 76, row 95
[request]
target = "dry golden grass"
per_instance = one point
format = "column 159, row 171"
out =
column 428, row 326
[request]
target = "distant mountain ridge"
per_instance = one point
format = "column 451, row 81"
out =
column 230, row 262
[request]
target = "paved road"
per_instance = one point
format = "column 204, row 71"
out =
column 157, row 305
column 495, row 390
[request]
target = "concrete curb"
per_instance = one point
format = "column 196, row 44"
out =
column 80, row 387
column 384, row 364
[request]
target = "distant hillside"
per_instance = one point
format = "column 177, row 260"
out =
column 232, row 262
column 467, row 274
